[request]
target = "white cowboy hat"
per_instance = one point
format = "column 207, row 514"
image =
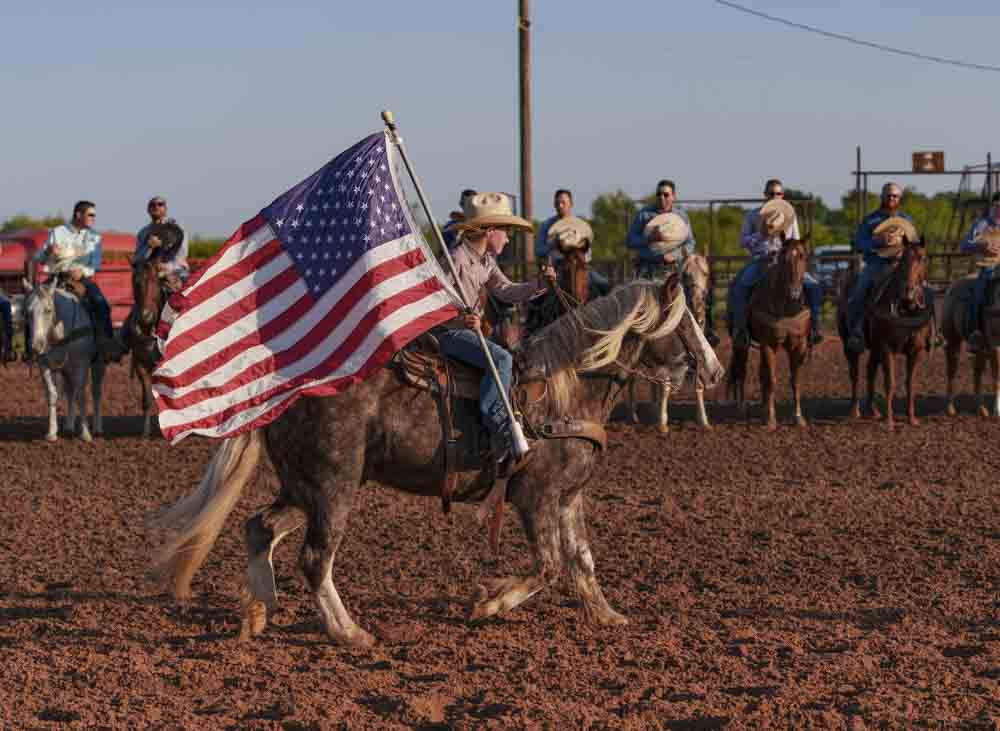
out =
column 570, row 233
column 990, row 236
column 775, row 216
column 673, row 229
column 898, row 228
column 60, row 258
column 490, row 210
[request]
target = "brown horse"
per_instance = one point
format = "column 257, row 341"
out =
column 499, row 323
column 697, row 281
column 955, row 304
column 778, row 318
column 325, row 449
column 898, row 319
column 149, row 298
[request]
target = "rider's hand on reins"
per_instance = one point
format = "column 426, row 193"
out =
column 472, row 320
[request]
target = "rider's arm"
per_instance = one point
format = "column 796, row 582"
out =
column 690, row 244
column 636, row 237
column 541, row 240
column 755, row 243
column 507, row 291
column 863, row 241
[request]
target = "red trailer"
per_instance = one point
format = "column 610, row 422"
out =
column 114, row 278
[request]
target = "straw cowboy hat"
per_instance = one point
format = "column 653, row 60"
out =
column 990, row 237
column 61, row 258
column 893, row 230
column 775, row 216
column 570, row 233
column 490, row 210
column 673, row 229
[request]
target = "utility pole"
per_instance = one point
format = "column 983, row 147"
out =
column 524, row 54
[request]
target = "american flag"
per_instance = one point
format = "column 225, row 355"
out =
column 313, row 294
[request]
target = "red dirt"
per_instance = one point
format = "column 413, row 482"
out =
column 834, row 577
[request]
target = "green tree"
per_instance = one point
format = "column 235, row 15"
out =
column 23, row 220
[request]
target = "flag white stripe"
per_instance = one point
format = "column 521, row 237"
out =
column 397, row 320
column 235, row 253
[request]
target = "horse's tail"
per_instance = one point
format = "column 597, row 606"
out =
column 196, row 520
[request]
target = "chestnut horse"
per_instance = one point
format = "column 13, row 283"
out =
column 325, row 450
column 149, row 298
column 572, row 289
column 778, row 318
column 898, row 319
column 697, row 281
column 955, row 304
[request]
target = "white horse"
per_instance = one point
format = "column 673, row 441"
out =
column 62, row 336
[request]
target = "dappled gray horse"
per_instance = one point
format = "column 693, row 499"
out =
column 325, row 449
column 63, row 340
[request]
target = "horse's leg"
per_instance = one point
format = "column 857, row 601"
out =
column 952, row 352
column 874, row 358
column 263, row 532
column 663, row 392
column 978, row 366
column 995, row 365
column 889, row 375
column 633, row 413
column 852, row 370
column 912, row 361
column 145, row 382
column 69, row 393
column 577, row 557
column 796, row 357
column 538, row 507
column 80, row 391
column 97, row 371
column 52, row 399
column 768, row 381
column 699, row 392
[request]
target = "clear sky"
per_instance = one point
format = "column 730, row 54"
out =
column 222, row 106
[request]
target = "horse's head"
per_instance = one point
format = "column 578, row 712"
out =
column 687, row 354
column 913, row 274
column 147, row 293
column 793, row 263
column 574, row 275
column 40, row 313
column 698, row 281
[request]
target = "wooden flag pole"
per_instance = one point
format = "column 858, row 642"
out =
column 520, row 444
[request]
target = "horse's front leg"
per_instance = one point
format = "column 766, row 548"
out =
column 952, row 351
column 796, row 357
column 874, row 358
column 79, row 395
column 663, row 392
column 912, row 361
column 699, row 392
column 536, row 498
column 768, row 381
column 52, row 400
column 995, row 366
column 97, row 392
column 263, row 532
column 146, row 383
column 580, row 562
column 852, row 370
column 889, row 375
column 978, row 366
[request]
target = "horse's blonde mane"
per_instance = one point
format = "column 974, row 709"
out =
column 568, row 345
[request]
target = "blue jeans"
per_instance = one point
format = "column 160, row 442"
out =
column 100, row 306
column 986, row 275
column 872, row 270
column 464, row 346
column 7, row 318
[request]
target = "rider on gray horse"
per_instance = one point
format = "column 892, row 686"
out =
column 984, row 241
column 73, row 254
column 660, row 254
column 488, row 216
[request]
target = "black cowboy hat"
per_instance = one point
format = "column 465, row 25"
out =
column 170, row 234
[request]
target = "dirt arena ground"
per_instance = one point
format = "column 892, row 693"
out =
column 834, row 577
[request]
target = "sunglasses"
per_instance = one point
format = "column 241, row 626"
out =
column 776, row 194
column 158, row 205
column 664, row 193
column 90, row 215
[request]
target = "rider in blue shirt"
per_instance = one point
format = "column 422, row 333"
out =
column 974, row 244
column 868, row 245
column 562, row 201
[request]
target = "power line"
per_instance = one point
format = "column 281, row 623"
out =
column 858, row 41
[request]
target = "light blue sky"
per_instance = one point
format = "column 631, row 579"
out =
column 222, row 107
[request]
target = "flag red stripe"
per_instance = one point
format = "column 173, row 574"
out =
column 379, row 357
column 241, row 234
column 314, row 337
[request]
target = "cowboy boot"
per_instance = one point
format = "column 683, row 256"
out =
column 815, row 334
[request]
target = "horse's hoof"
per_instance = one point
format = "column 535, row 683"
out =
column 951, row 410
column 890, row 425
column 663, row 428
column 605, row 617
column 875, row 413
column 359, row 639
column 984, row 412
column 855, row 413
column 85, row 436
column 772, row 426
column 254, row 621
column 800, row 422
column 706, row 426
column 914, row 421
column 51, row 437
